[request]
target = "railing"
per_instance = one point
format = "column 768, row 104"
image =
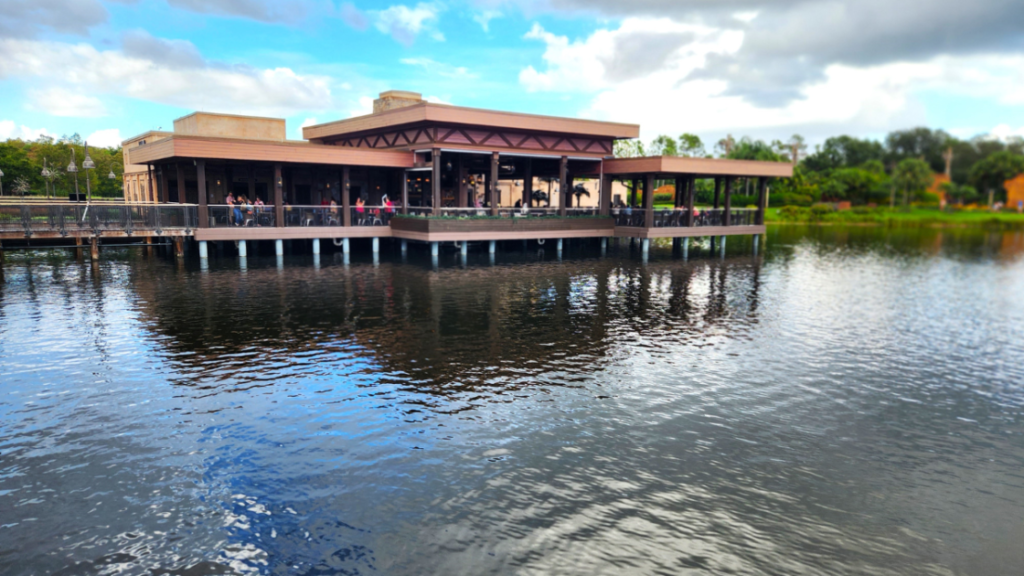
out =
column 312, row 216
column 628, row 216
column 223, row 216
column 669, row 218
column 420, row 211
column 743, row 217
column 66, row 219
column 372, row 215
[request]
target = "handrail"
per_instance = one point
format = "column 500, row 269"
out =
column 67, row 218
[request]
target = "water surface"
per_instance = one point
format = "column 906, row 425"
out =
column 849, row 401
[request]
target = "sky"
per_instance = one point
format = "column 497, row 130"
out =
column 769, row 69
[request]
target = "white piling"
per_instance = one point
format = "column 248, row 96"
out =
column 559, row 244
column 686, row 248
column 203, row 253
column 278, row 247
column 433, row 249
column 645, row 246
column 376, row 245
column 604, row 246
column 316, row 245
column 757, row 239
column 405, row 246
column 241, row 249
column 464, row 247
column 344, row 246
column 492, row 247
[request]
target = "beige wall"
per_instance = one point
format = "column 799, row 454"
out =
column 229, row 126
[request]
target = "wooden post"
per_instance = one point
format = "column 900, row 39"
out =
column 563, row 183
column 405, row 192
column 569, row 183
column 718, row 189
column 762, row 196
column 632, row 193
column 691, row 194
column 278, row 195
column 462, row 199
column 346, row 196
column 181, row 183
column 680, row 185
column 649, row 201
column 435, row 181
column 94, row 248
column 204, row 212
column 252, row 182
column 163, row 195
column 727, row 218
column 149, row 191
column 179, row 247
column 527, row 200
column 494, row 184
column 606, row 195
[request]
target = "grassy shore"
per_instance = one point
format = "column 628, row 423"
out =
column 912, row 217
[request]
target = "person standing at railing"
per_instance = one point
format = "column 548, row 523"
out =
column 258, row 204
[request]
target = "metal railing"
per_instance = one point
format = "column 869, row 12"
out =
column 66, row 219
column 634, row 217
column 372, row 215
column 419, row 211
column 312, row 216
column 223, row 216
column 743, row 217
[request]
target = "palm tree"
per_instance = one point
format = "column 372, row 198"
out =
column 578, row 191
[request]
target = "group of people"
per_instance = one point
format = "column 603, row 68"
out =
column 242, row 208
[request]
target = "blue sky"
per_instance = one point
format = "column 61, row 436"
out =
column 764, row 68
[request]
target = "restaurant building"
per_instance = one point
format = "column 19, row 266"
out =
column 422, row 171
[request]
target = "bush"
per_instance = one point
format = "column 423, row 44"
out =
column 819, row 210
column 663, row 198
column 792, row 213
column 788, row 199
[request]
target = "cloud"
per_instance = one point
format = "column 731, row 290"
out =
column 435, row 68
column 1005, row 133
column 109, row 138
column 788, row 45
column 665, row 95
column 404, row 24
column 27, row 18
column 175, row 54
column 353, row 16
column 483, row 18
column 272, row 11
column 306, row 122
column 178, row 78
column 10, row 130
column 365, row 107
column 63, row 102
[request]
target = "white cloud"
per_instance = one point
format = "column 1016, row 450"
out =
column 306, row 122
column 63, row 102
column 441, row 69
column 365, row 107
column 436, row 100
column 1004, row 132
column 9, row 130
column 83, row 69
column 484, row 18
column 404, row 23
column 109, row 138
column 656, row 86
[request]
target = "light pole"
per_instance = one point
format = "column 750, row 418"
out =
column 88, row 164
column 73, row 169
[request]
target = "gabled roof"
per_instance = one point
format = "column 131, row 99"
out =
column 429, row 112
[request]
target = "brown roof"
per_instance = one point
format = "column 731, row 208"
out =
column 178, row 146
column 697, row 166
column 427, row 112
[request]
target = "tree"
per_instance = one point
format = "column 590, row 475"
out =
column 691, row 146
column 921, row 143
column 960, row 193
column 748, row 149
column 663, row 146
column 725, row 145
column 989, row 174
column 844, row 152
column 796, row 147
column 912, row 177
column 628, row 149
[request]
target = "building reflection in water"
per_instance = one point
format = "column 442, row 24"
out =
column 451, row 337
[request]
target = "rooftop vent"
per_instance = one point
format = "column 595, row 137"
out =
column 395, row 99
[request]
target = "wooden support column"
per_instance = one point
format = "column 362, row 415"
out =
column 462, row 198
column 762, row 198
column 727, row 217
column 181, row 182
column 718, row 190
column 649, row 201
column 405, row 192
column 278, row 195
column 605, row 202
column 94, row 248
column 163, row 194
column 680, row 187
column 563, row 184
column 435, row 181
column 149, row 188
column 691, row 195
column 569, row 185
column 204, row 212
column 252, row 182
column 346, row 196
column 527, row 200
column 493, row 192
column 633, row 192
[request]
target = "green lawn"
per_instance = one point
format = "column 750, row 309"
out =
column 896, row 217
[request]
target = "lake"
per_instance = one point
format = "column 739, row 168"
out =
column 848, row 401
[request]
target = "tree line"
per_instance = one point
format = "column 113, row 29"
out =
column 897, row 171
column 23, row 163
